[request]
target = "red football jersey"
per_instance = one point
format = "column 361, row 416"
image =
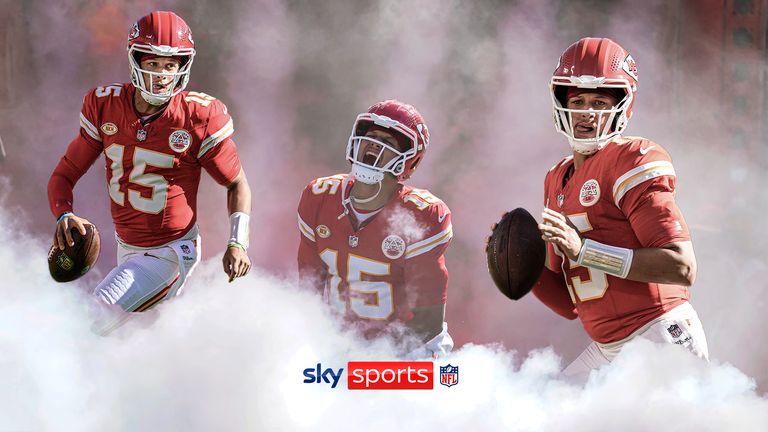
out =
column 622, row 196
column 152, row 169
column 380, row 271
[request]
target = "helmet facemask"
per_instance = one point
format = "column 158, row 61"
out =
column 180, row 78
column 368, row 169
column 610, row 122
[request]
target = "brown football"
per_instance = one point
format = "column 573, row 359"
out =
column 74, row 261
column 515, row 253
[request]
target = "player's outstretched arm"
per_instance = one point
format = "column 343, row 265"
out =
column 236, row 262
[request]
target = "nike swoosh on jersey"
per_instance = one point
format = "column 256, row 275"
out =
column 645, row 150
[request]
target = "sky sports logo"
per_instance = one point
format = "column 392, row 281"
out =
column 396, row 375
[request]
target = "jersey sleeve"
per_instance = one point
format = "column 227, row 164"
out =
column 312, row 270
column 218, row 153
column 645, row 192
column 81, row 153
column 553, row 262
column 426, row 276
column 89, row 118
column 550, row 289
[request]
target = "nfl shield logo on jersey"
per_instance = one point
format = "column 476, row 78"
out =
column 449, row 375
column 675, row 330
column 353, row 241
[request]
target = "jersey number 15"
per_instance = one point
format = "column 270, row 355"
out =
column 141, row 159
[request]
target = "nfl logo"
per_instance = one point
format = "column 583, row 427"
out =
column 675, row 331
column 353, row 240
column 141, row 135
column 449, row 375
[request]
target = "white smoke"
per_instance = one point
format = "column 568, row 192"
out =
column 230, row 357
column 404, row 222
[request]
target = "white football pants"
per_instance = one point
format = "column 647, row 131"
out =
column 680, row 326
column 143, row 278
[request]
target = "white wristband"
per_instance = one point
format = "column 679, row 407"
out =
column 238, row 228
column 610, row 259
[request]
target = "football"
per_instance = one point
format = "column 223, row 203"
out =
column 74, row 261
column 515, row 253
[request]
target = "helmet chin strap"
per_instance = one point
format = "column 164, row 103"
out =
column 366, row 174
column 591, row 146
column 154, row 100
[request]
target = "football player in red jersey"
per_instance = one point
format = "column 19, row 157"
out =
column 155, row 137
column 620, row 255
column 372, row 245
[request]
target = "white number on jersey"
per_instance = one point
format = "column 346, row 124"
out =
column 141, row 159
column 356, row 267
column 324, row 184
column 593, row 287
column 421, row 197
column 113, row 90
column 201, row 98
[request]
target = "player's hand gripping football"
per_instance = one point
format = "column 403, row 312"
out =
column 236, row 262
column 558, row 230
column 63, row 235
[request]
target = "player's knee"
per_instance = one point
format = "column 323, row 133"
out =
column 116, row 285
column 135, row 281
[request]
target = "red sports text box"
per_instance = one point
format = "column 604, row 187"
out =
column 396, row 375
